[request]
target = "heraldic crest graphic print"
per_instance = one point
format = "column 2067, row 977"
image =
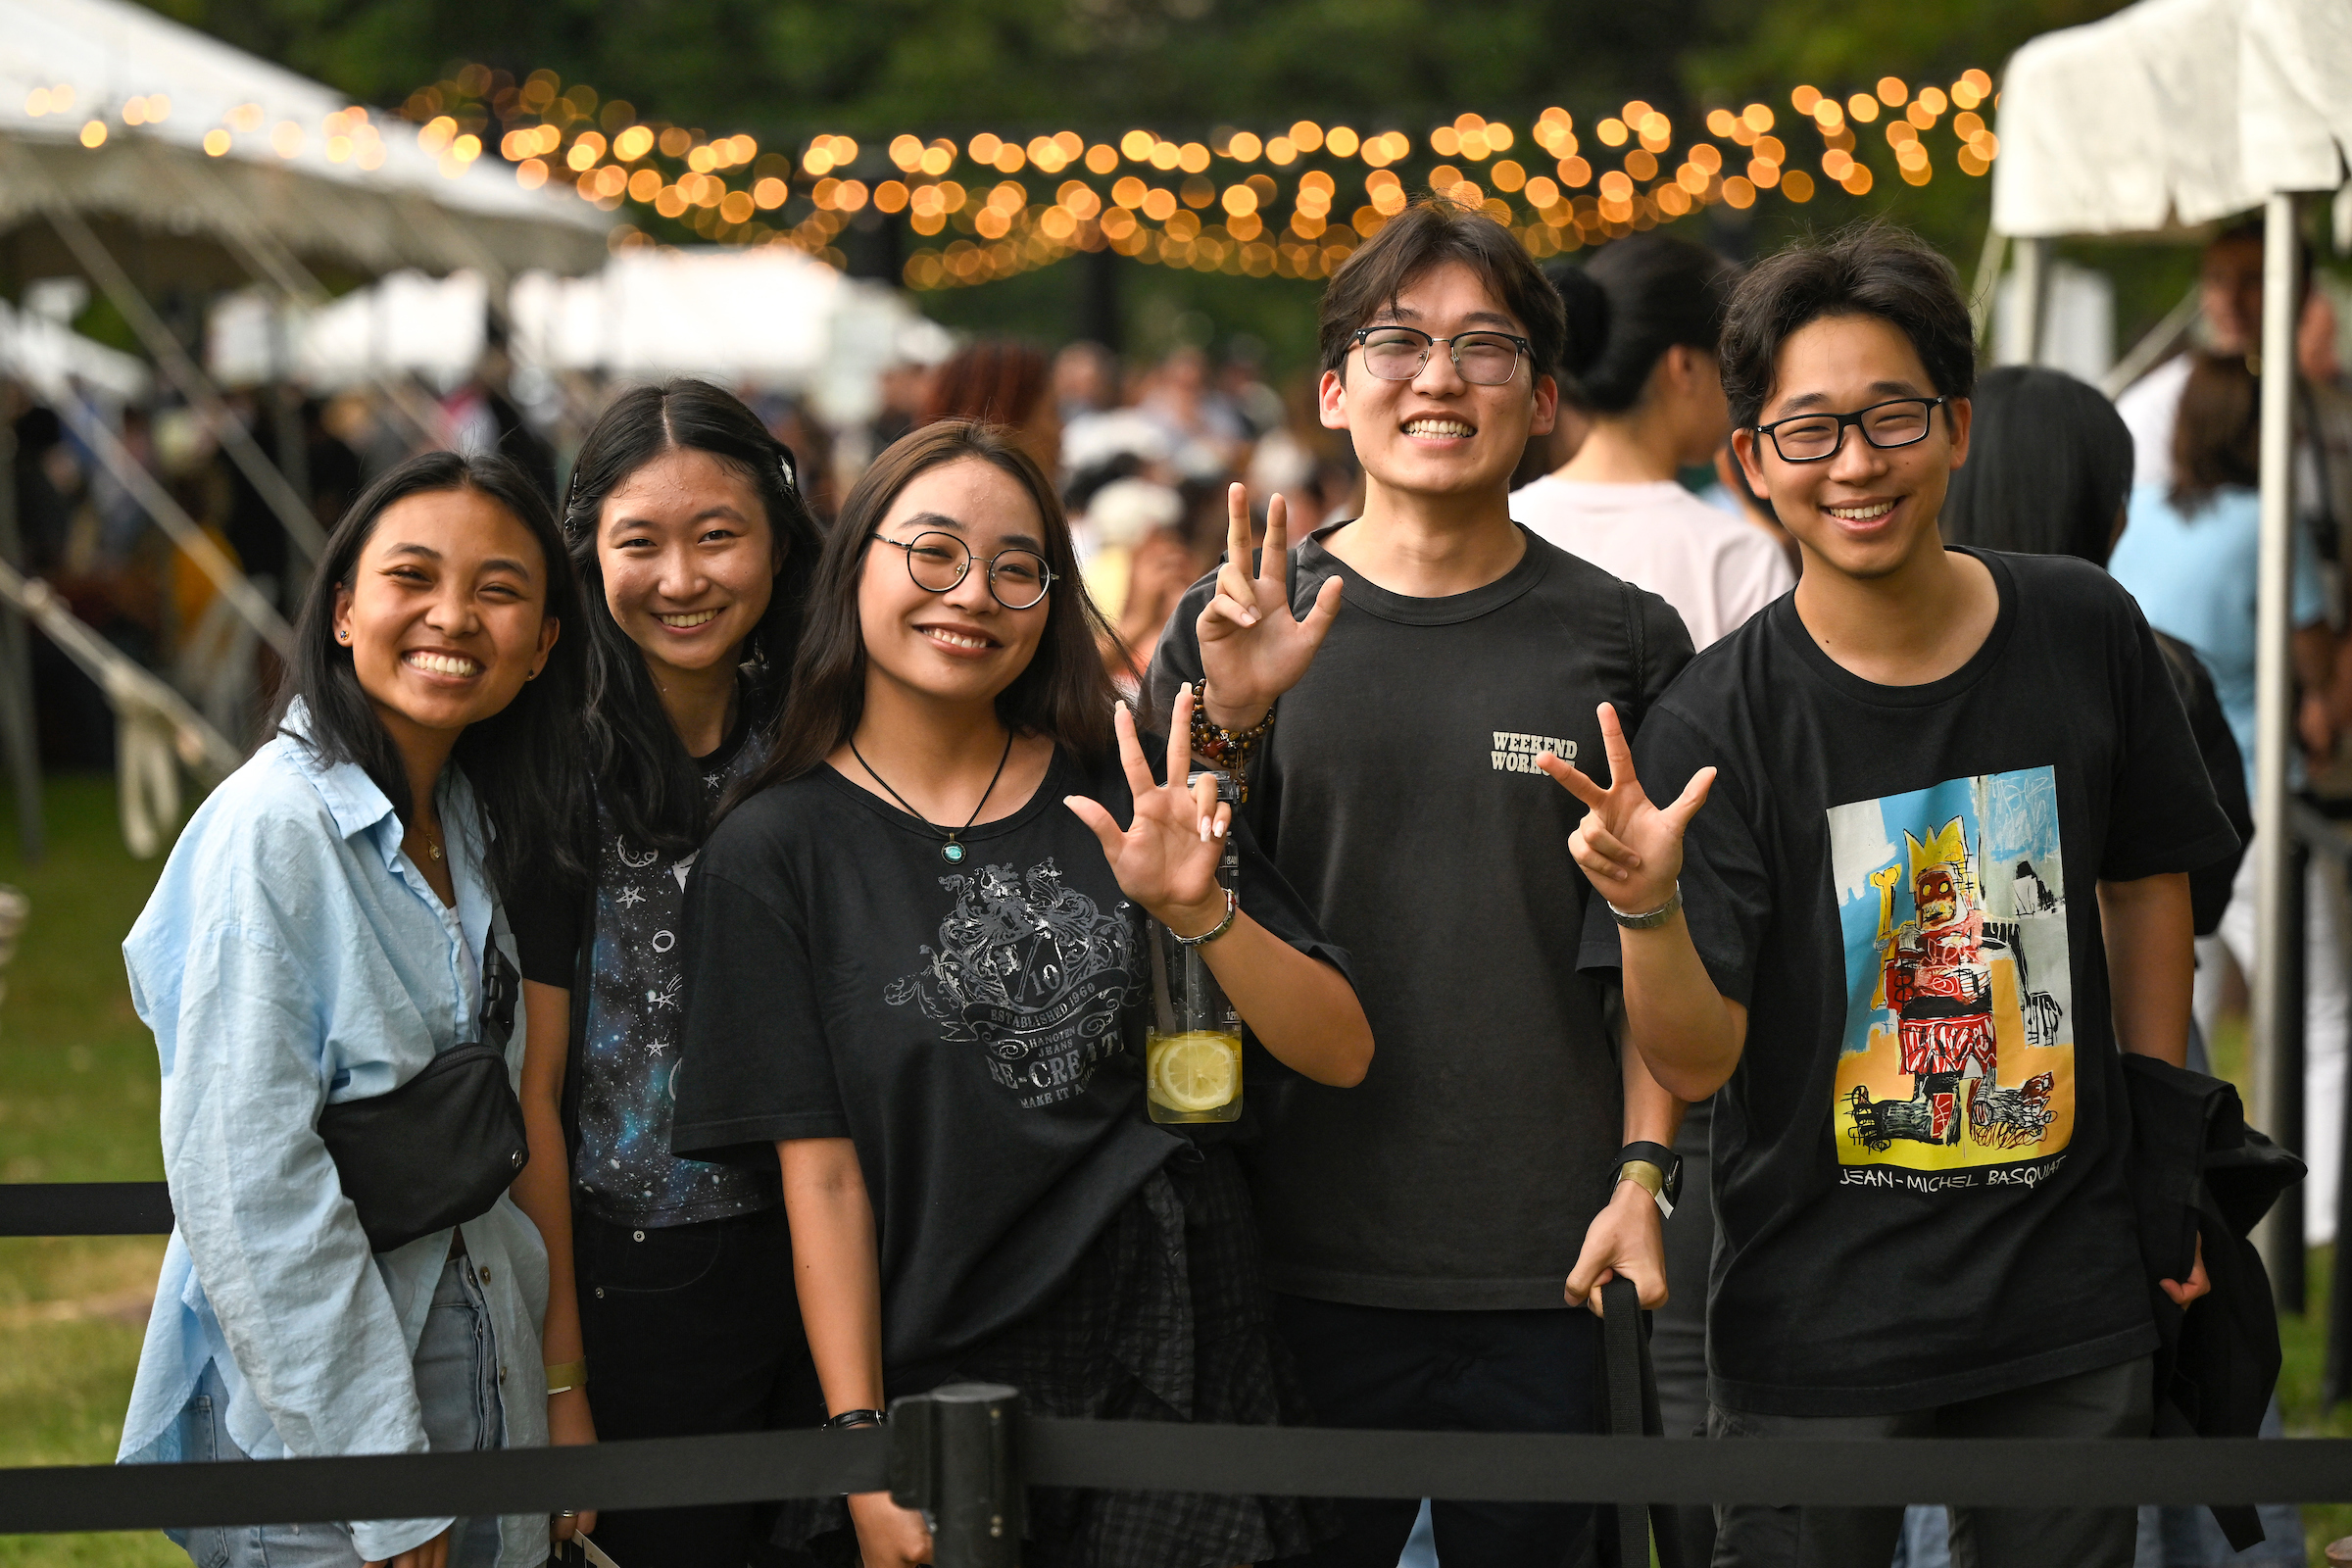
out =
column 1030, row 969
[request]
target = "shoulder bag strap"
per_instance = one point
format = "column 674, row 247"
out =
column 1637, row 640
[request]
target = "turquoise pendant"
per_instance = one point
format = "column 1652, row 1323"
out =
column 952, row 853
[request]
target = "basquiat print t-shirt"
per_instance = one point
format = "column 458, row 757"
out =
column 1920, row 1164
column 976, row 1028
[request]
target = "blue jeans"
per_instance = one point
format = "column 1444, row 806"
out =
column 457, row 1384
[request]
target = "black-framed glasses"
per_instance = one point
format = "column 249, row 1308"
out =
column 1482, row 359
column 1816, row 437
column 938, row 561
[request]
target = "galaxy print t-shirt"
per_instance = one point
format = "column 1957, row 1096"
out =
column 625, row 1041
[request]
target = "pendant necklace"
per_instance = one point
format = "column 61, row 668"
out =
column 950, row 851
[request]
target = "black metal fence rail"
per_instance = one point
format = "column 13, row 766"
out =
column 1174, row 1457
column 966, row 1453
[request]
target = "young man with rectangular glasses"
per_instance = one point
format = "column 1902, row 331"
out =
column 1419, row 1229
column 1920, row 872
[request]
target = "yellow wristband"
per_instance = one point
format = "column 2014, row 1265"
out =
column 568, row 1376
column 1646, row 1175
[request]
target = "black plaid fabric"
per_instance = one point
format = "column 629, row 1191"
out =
column 1165, row 1320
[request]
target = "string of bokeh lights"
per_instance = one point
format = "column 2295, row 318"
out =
column 992, row 206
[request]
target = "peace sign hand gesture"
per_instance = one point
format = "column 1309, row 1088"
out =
column 1166, row 860
column 1253, row 647
column 1632, row 850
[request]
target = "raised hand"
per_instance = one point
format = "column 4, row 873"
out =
column 1253, row 647
column 1166, row 859
column 1631, row 849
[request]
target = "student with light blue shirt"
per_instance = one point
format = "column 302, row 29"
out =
column 2189, row 550
column 325, row 928
column 2189, row 555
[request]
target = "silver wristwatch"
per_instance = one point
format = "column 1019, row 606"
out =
column 1655, row 918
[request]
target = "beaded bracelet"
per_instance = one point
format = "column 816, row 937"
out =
column 1225, row 748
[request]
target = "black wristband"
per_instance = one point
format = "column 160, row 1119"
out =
column 1658, row 1154
column 855, row 1418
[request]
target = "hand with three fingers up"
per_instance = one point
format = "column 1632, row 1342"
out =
column 1253, row 647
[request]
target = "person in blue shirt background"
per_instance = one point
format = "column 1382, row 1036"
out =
column 325, row 926
column 2190, row 548
column 2189, row 555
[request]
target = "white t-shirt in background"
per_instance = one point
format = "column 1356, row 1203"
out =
column 1714, row 570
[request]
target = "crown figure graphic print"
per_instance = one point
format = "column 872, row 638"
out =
column 1958, row 1049
column 1031, row 970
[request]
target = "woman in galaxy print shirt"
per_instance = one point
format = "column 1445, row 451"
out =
column 693, row 551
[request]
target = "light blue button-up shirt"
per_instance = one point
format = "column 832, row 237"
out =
column 290, row 956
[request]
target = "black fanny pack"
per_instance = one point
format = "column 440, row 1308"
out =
column 437, row 1151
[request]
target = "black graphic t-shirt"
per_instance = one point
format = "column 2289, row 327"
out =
column 976, row 1028
column 625, row 1039
column 1919, row 1164
column 1399, row 793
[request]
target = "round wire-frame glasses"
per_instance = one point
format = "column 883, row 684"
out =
column 937, row 561
column 1482, row 359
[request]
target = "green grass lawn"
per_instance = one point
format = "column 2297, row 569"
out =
column 2301, row 1338
column 78, row 1103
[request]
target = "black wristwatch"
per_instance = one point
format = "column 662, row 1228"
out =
column 1647, row 1158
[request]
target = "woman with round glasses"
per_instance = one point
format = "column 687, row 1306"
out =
column 919, row 984
column 1643, row 318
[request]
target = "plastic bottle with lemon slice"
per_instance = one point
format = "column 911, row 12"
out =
column 1192, row 1050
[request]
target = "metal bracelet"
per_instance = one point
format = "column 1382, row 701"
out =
column 1232, row 908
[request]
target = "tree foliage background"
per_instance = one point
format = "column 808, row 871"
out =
column 783, row 70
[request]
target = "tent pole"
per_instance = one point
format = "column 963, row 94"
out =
column 1989, row 281
column 193, row 542
column 17, row 732
column 193, row 384
column 2274, row 697
column 2033, row 295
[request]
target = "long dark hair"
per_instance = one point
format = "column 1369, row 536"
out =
column 521, row 762
column 2217, row 435
column 1064, row 691
column 2049, row 464
column 1637, row 298
column 642, row 774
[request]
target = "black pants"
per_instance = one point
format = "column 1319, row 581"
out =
column 1370, row 1366
column 1678, row 1340
column 2113, row 1402
column 691, row 1330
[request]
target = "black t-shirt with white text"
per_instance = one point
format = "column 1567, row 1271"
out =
column 1397, row 791
column 1920, row 1160
column 976, row 1029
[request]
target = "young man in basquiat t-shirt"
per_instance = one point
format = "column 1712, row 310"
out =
column 1419, row 1229
column 1932, row 816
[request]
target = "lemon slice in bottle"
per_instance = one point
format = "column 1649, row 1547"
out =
column 1196, row 1071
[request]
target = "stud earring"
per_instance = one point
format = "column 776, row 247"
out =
column 342, row 636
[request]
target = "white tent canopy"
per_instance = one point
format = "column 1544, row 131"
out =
column 766, row 317
column 2173, row 112
column 402, row 324
column 323, row 178
column 53, row 359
